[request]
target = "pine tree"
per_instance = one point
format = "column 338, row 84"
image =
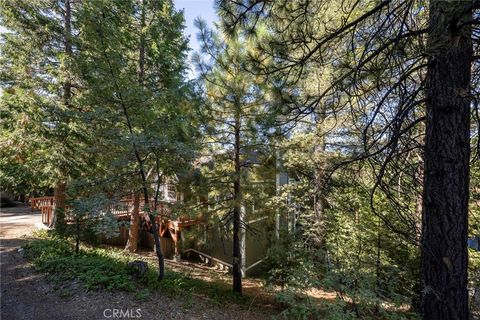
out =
column 234, row 114
column 388, row 73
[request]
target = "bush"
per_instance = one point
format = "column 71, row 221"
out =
column 98, row 268
column 95, row 268
column 291, row 264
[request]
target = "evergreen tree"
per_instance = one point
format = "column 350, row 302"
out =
column 235, row 113
column 132, row 66
column 388, row 72
column 42, row 137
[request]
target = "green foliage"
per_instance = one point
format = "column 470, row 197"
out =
column 290, row 264
column 140, row 107
column 291, row 267
column 61, row 116
column 106, row 268
column 298, row 307
column 367, row 265
column 42, row 137
column 94, row 268
column 474, row 274
column 94, row 217
column 107, row 226
column 373, row 272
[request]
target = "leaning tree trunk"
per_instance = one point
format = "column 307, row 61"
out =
column 155, row 231
column 132, row 242
column 447, row 154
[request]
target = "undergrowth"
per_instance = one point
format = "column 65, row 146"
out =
column 106, row 268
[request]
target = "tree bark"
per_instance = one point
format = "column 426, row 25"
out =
column 132, row 243
column 237, row 198
column 59, row 191
column 447, row 154
column 136, row 151
column 319, row 179
column 67, row 85
column 319, row 203
column 155, row 231
column 59, row 198
column 419, row 178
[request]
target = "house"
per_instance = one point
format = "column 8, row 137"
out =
column 205, row 236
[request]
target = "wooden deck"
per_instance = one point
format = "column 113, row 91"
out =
column 167, row 227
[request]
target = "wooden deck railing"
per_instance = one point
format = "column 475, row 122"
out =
column 47, row 215
column 167, row 226
column 36, row 203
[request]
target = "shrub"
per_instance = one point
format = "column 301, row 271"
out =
column 94, row 268
column 98, row 268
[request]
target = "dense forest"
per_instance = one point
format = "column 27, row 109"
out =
column 350, row 126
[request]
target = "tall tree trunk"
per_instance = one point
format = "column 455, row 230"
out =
column 141, row 75
column 447, row 154
column 237, row 198
column 419, row 179
column 140, row 161
column 132, row 243
column 141, row 47
column 67, row 85
column 319, row 182
column 155, row 231
column 59, row 192
column 319, row 203
column 59, row 198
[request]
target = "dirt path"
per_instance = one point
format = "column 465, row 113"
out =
column 25, row 295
